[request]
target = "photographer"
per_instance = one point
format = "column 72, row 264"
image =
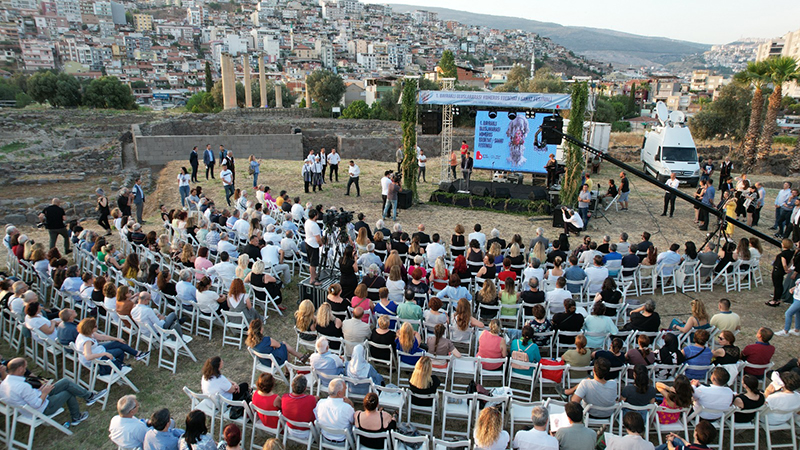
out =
column 391, row 197
column 53, row 218
column 572, row 221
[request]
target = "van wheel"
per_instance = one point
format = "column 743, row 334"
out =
column 644, row 169
column 661, row 178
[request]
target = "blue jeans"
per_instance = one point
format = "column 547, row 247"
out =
column 255, row 179
column 66, row 391
column 794, row 310
column 228, row 193
column 118, row 351
column 185, row 191
column 678, row 442
column 393, row 204
column 584, row 213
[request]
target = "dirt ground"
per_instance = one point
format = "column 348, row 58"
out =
column 163, row 389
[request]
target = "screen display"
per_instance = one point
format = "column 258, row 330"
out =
column 505, row 144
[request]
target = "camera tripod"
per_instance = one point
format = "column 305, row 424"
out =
column 329, row 266
column 720, row 231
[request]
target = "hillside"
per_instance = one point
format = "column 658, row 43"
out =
column 618, row 48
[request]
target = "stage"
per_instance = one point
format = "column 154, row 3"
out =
column 498, row 196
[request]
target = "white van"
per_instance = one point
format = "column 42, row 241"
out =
column 669, row 148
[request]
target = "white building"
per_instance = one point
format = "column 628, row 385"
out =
column 194, row 16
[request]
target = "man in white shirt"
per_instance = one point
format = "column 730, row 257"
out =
column 335, row 412
column 555, row 298
column 49, row 398
column 272, row 255
column 369, row 257
column 669, row 257
column 478, row 236
column 780, row 199
column 298, row 212
column 717, row 396
column 669, row 197
column 225, row 245
column 143, row 315
column 267, row 220
column 17, row 302
column 588, row 255
column 34, row 320
column 354, row 173
column 313, row 243
column 224, row 269
column 272, row 235
column 595, row 275
column 242, row 226
column 125, row 430
column 324, row 362
column 355, row 330
column 536, row 438
column 333, row 163
column 421, row 160
column 289, row 246
column 386, row 181
column 623, row 245
column 435, row 249
column 781, row 395
column 572, row 221
column 227, row 183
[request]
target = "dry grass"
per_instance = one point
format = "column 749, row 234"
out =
column 162, row 389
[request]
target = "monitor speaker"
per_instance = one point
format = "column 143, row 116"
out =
column 537, row 193
column 502, row 192
column 558, row 219
column 405, row 198
column 447, row 186
column 549, row 124
column 480, row 191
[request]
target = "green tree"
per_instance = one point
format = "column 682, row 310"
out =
column 357, row 110
column 8, row 91
column 447, row 64
column 574, row 157
column 68, row 91
column 42, row 86
column 23, row 99
column 409, row 111
column 109, row 93
column 727, row 116
column 202, row 102
column 138, row 84
column 129, row 17
column 326, row 88
column 518, row 76
column 216, row 93
column 544, row 81
column 605, row 112
column 209, row 78
column 755, row 76
column 782, row 69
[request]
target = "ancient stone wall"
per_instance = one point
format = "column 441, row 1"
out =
column 159, row 150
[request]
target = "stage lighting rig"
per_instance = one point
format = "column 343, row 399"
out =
column 492, row 114
column 512, row 115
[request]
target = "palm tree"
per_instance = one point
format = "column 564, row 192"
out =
column 754, row 75
column 782, row 69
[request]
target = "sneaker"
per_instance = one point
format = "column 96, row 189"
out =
column 84, row 416
column 781, row 333
column 95, row 397
column 794, row 332
column 142, row 356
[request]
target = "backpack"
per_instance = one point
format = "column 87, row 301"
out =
column 520, row 355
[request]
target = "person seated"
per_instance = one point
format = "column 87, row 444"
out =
column 725, row 319
column 67, row 330
column 534, row 270
column 641, row 355
column 587, row 256
column 268, row 346
column 298, row 406
column 576, row 435
column 489, row 269
column 716, row 396
column 641, row 392
column 197, row 435
column 336, row 412
column 224, row 270
column 213, row 382
column 487, row 296
column 395, row 284
column 355, row 329
column 208, row 300
column 369, row 257
column 568, row 320
column 462, row 323
column 489, row 432
column 726, row 353
column 408, row 341
column 517, row 257
column 578, row 357
column 759, row 353
column 433, row 315
column 630, row 261
column 423, row 382
column 264, row 398
column 328, row 325
column 374, row 420
column 556, row 271
column 125, row 429
column 418, row 284
column 114, row 348
column 537, row 437
column 359, row 368
column 454, row 289
column 526, row 345
column 146, row 318
column 678, row 396
column 697, row 354
column 35, row 320
column 698, row 320
column 609, row 295
column 633, row 423
column 644, row 318
column 575, row 273
column 751, row 398
column 599, row 322
column 596, row 391
column 531, row 297
column 49, row 398
column 162, row 433
column 492, row 345
column 704, row 434
column 409, row 309
column 382, row 335
column 596, row 275
column 324, row 362
column 557, row 297
column 507, row 272
column 509, row 296
column 782, row 395
column 417, row 263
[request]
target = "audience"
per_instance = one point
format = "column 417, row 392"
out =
column 576, row 436
column 162, row 433
column 197, row 435
column 489, row 433
column 374, row 420
column 298, row 406
column 125, row 430
column 335, row 412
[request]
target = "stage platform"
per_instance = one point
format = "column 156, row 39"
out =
column 502, row 197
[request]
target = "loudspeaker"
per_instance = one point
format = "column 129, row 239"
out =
column 447, row 186
column 502, row 192
column 431, row 122
column 480, row 191
column 537, row 193
column 558, row 218
column 550, row 123
column 404, row 199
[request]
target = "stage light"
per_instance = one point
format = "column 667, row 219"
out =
column 473, row 113
column 456, row 110
column 512, row 115
column 530, row 114
column 492, row 114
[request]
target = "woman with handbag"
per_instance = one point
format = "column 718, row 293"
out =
column 254, row 169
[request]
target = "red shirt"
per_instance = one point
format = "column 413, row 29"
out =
column 758, row 353
column 299, row 408
column 507, row 274
column 267, row 403
column 464, row 148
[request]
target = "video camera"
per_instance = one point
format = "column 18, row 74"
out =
column 337, row 219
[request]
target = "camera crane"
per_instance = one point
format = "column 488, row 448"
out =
column 551, row 132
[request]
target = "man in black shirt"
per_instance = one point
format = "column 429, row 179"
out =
column 423, row 237
column 137, row 237
column 551, row 257
column 603, row 248
column 193, row 161
column 495, row 233
column 54, row 217
column 532, row 296
column 361, row 224
column 630, row 261
column 402, row 245
column 644, row 245
column 380, row 226
column 253, row 248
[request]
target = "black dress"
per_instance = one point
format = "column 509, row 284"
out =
column 425, row 391
column 457, row 241
column 748, row 404
column 731, row 356
column 374, row 443
column 567, row 322
column 124, row 207
column 272, row 288
column 382, row 339
column 476, row 257
column 331, row 331
column 613, row 298
column 348, row 280
column 338, row 308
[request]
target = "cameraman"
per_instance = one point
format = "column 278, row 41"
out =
column 572, row 221
column 53, row 218
column 391, row 197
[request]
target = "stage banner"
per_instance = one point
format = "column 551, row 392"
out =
column 506, row 100
column 505, row 144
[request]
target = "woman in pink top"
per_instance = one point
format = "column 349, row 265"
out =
column 492, row 345
column 201, row 261
column 360, row 299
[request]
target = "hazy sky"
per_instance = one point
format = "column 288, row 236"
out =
column 706, row 21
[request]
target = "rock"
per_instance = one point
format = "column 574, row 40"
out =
column 16, row 219
column 32, row 218
column 30, row 201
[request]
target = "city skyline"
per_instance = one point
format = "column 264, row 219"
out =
column 709, row 22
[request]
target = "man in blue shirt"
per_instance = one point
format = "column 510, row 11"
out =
column 574, row 273
column 208, row 160
column 708, row 199
column 162, row 435
column 67, row 330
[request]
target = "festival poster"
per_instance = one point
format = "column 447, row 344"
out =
column 505, row 144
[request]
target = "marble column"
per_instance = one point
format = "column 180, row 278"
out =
column 228, row 82
column 278, row 96
column 262, row 80
column 248, row 93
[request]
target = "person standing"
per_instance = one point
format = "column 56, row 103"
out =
column 208, row 160
column 399, row 155
column 231, row 163
column 54, row 217
column 124, row 201
column 193, row 162
column 391, row 198
column 386, row 181
column 254, row 169
column 454, row 162
column 138, row 199
column 307, row 174
column 227, row 182
column 466, row 165
column 584, row 200
column 551, row 167
column 786, row 214
column 313, row 243
column 669, row 197
column 354, row 173
column 706, row 170
column 183, row 184
column 421, row 161
column 323, row 159
column 725, row 170
column 708, row 200
column 222, row 154
column 316, row 171
column 783, row 194
column 333, row 165
column 103, row 210
column 624, row 191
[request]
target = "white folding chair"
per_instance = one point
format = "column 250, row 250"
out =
column 420, row 442
column 204, row 403
column 325, row 443
column 298, row 434
column 666, row 276
column 373, row 348
column 258, row 424
column 419, row 410
column 498, row 374
column 385, row 435
column 234, row 328
column 770, row 426
column 258, row 366
column 392, row 398
column 116, row 375
column 517, row 373
column 175, row 344
column 681, row 426
column 225, row 408
column 26, row 415
column 457, row 407
column 464, row 368
column 737, row 428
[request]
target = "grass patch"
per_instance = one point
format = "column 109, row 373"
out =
column 12, row 147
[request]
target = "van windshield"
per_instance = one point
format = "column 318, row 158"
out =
column 685, row 154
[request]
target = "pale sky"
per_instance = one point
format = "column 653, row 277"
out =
column 705, row 21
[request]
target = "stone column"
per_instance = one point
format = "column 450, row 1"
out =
column 248, row 93
column 278, row 96
column 308, row 96
column 228, row 82
column 262, row 80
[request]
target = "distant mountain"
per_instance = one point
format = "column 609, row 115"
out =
column 618, row 48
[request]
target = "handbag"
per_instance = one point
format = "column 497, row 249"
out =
column 552, row 375
column 520, row 355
